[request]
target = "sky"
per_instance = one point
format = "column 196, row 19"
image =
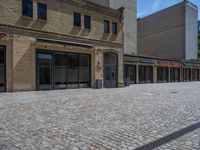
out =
column 147, row 7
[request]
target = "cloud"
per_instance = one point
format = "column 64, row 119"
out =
column 156, row 5
column 141, row 14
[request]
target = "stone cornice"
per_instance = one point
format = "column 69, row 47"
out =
column 95, row 7
column 35, row 33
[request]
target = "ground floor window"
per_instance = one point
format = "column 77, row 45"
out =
column 162, row 74
column 2, row 69
column 145, row 74
column 195, row 74
column 187, row 74
column 174, row 74
column 130, row 72
column 62, row 70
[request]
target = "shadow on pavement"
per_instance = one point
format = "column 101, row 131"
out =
column 169, row 137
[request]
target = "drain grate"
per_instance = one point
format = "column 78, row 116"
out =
column 174, row 92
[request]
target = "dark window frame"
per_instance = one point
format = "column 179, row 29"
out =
column 45, row 7
column 106, row 24
column 77, row 23
column 173, row 71
column 114, row 28
column 87, row 25
column 53, row 53
column 25, row 9
column 161, row 76
column 145, row 74
column 5, row 65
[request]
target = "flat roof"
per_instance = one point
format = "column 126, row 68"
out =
column 180, row 3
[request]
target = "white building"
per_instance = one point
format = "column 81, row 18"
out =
column 130, row 21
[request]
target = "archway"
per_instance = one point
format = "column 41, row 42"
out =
column 110, row 70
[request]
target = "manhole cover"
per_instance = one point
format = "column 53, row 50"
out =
column 174, row 92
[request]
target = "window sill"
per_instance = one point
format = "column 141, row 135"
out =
column 114, row 35
column 27, row 17
column 106, row 33
column 86, row 29
column 77, row 27
column 42, row 20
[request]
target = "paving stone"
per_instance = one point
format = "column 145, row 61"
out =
column 108, row 119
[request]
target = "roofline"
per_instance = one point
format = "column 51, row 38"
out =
column 152, row 57
column 183, row 2
column 164, row 59
column 97, row 6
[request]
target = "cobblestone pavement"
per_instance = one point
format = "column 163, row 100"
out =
column 160, row 116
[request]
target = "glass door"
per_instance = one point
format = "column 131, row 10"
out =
column 45, row 76
column 130, row 72
column 110, row 70
column 44, row 71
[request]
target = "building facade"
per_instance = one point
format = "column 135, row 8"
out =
column 198, row 27
column 145, row 69
column 170, row 33
column 46, row 45
column 129, row 21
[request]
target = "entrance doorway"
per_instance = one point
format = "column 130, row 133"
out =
column 145, row 74
column 44, row 71
column 174, row 74
column 2, row 69
column 162, row 74
column 110, row 70
column 130, row 72
column 195, row 74
column 187, row 74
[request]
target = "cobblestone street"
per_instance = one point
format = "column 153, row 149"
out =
column 148, row 116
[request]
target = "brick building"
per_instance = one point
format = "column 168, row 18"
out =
column 58, row 44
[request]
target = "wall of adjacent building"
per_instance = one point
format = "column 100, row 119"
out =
column 170, row 33
column 163, row 34
column 129, row 19
column 191, row 34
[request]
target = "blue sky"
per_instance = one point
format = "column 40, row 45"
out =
column 146, row 7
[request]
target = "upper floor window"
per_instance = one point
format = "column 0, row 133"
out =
column 114, row 28
column 42, row 11
column 106, row 26
column 77, row 19
column 87, row 22
column 27, row 8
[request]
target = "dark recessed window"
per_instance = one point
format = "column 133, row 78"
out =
column 106, row 26
column 1, row 57
column 77, row 19
column 42, row 11
column 87, row 22
column 27, row 8
column 114, row 28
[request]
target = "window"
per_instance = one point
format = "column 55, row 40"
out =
column 60, row 71
column 73, row 71
column 42, row 11
column 114, row 28
column 1, row 56
column 27, row 8
column 87, row 22
column 2, row 69
column 106, row 26
column 77, row 19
